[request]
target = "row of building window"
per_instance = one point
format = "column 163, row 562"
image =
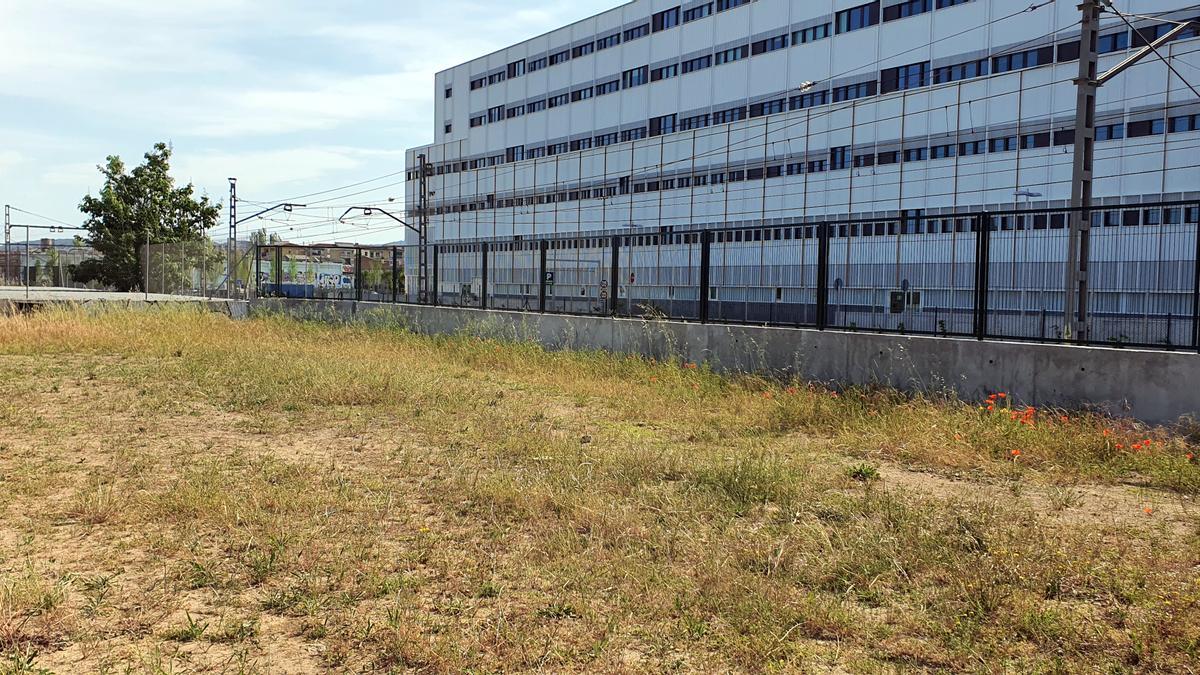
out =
column 910, row 222
column 667, row 124
column 890, row 79
column 844, row 21
column 658, row 22
column 839, row 158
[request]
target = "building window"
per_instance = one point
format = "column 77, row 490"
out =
column 808, row 100
column 665, row 19
column 514, row 154
column 817, row 165
column 535, row 64
column 1114, row 42
column 906, row 9
column 608, row 41
column 496, row 78
column 960, row 71
column 535, row 106
column 477, row 121
column 861, row 161
column 857, row 17
column 635, row 77
column 581, row 144
column 1184, row 123
column 811, row 34
column 731, row 55
column 1110, row 132
column 853, row 91
column 449, row 92
column 495, row 114
column 767, row 108
column 693, row 122
column 555, row 101
column 583, row 49
column 839, row 158
column 516, row 69
column 560, row 57
column 478, row 83
column 699, row 63
column 608, row 88
column 581, row 94
column 904, row 77
column 730, row 115
column 637, row 32
column 1026, row 59
column 769, row 45
column 916, row 154
column 698, row 12
column 448, row 127
column 723, row 5
column 662, row 125
column 556, row 148
column 942, row 151
column 972, row 148
column 664, row 72
column 1002, row 144
column 942, row 4
column 633, row 134
column 1147, row 128
column 515, row 111
column 1032, row 141
column 534, row 153
column 606, row 139
column 1064, row 137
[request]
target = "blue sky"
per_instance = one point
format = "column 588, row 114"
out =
column 290, row 97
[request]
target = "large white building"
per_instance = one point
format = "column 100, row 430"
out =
column 655, row 117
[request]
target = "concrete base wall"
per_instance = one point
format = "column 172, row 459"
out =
column 1151, row 385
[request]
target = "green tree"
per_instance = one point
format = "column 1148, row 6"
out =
column 137, row 205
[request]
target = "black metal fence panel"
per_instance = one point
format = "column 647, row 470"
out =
column 996, row 275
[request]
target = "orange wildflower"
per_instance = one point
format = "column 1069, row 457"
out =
column 653, row 379
column 1002, row 395
column 766, row 394
column 1016, row 453
column 1149, row 511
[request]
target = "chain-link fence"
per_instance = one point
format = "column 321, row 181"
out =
column 199, row 268
column 47, row 265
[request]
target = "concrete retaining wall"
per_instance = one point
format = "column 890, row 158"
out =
column 1151, row 385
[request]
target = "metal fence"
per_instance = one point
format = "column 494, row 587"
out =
column 45, row 266
column 997, row 275
column 199, row 268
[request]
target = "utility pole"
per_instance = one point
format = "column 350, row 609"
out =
column 1075, row 305
column 1075, row 294
column 229, row 281
column 423, row 231
column 7, row 245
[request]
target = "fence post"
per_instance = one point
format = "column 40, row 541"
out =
column 705, row 278
column 357, row 274
column 822, row 276
column 543, row 246
column 257, row 271
column 615, row 275
column 483, row 290
column 983, row 248
column 1196, row 283
column 278, row 271
column 395, row 278
column 432, row 298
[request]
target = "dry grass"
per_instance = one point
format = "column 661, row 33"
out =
column 182, row 492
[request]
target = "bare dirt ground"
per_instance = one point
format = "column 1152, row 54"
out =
column 482, row 517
